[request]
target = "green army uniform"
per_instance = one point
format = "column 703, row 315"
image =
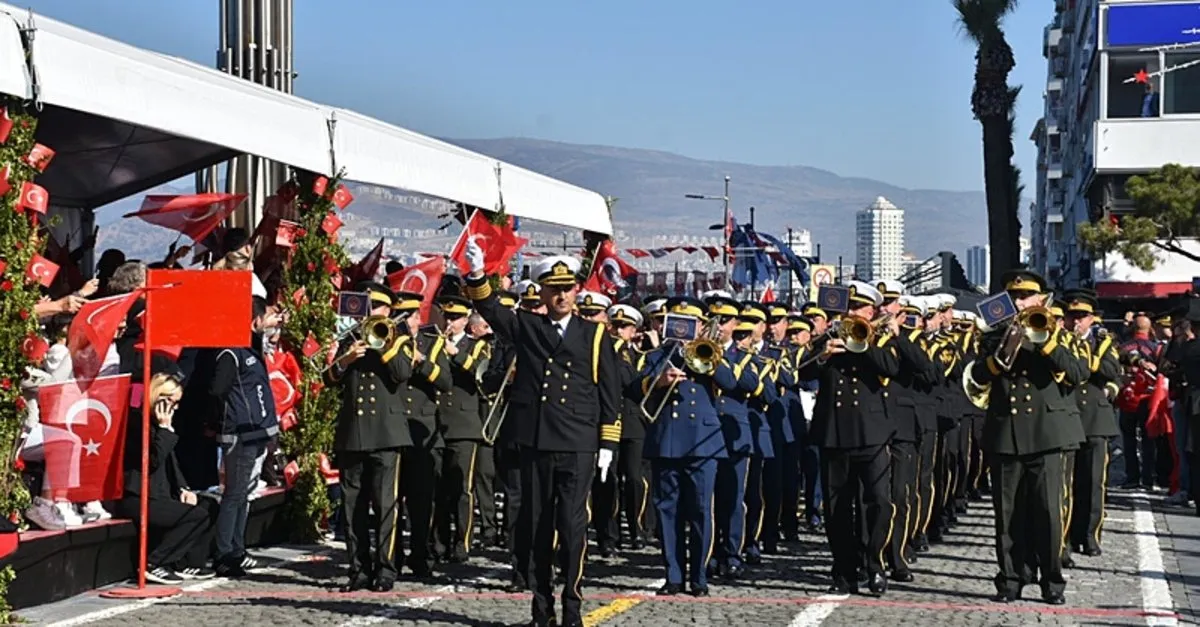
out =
column 1029, row 423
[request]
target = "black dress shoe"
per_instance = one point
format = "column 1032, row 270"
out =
column 606, row 550
column 770, row 549
column 1054, row 598
column 878, row 584
column 384, row 585
column 699, row 591
column 1004, row 597
column 733, row 572
column 517, row 584
column 637, row 544
column 753, row 559
column 670, row 590
column 840, row 586
column 1093, row 551
column 903, row 576
column 921, row 544
column 1068, row 561
column 358, row 581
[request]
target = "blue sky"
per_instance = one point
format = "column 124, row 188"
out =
column 860, row 87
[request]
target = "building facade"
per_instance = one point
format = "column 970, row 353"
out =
column 1122, row 98
column 880, row 236
column 979, row 261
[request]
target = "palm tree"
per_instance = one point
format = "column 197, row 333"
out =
column 992, row 102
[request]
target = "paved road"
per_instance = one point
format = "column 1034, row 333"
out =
column 1126, row 586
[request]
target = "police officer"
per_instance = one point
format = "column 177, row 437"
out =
column 566, row 401
column 461, row 428
column 1026, row 430
column 367, row 444
column 421, row 462
column 737, row 436
column 1094, row 399
column 628, row 490
column 684, row 443
column 851, row 424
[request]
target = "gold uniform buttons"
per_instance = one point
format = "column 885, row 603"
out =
column 1012, row 399
column 1029, row 410
column 1014, row 411
column 549, row 360
column 564, row 387
column 548, row 373
column 543, row 399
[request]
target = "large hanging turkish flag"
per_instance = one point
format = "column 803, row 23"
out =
column 85, row 437
column 194, row 215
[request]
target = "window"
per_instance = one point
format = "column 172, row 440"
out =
column 1181, row 87
column 1132, row 99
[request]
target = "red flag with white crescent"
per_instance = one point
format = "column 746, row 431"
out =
column 421, row 278
column 499, row 243
column 194, row 215
column 41, row 270
column 85, row 437
column 93, row 330
column 610, row 274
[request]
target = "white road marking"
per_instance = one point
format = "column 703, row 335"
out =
column 816, row 613
column 1156, row 594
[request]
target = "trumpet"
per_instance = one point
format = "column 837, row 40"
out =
column 701, row 356
column 499, row 408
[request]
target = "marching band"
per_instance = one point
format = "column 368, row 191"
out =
column 690, row 424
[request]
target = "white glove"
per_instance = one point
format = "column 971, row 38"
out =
column 603, row 462
column 475, row 257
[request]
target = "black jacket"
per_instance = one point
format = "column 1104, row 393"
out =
column 372, row 388
column 850, row 409
column 911, row 392
column 458, row 409
column 166, row 478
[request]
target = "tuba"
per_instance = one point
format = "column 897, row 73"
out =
column 976, row 392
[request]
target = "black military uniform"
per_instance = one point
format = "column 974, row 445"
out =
column 628, row 488
column 565, row 400
column 908, row 390
column 367, row 442
column 420, row 463
column 1094, row 399
column 485, row 459
column 851, row 425
column 1027, row 427
column 461, row 430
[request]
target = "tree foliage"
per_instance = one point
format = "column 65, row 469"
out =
column 1166, row 208
column 18, row 295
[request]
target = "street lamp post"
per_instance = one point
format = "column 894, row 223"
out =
column 724, row 198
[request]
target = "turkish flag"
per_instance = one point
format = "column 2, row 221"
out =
column 34, row 348
column 768, row 295
column 331, row 224
column 342, row 197
column 311, row 346
column 610, row 274
column 366, row 267
column 41, row 270
column 498, row 241
column 194, row 215
column 320, row 184
column 6, row 124
column 85, row 437
column 93, row 329
column 284, row 373
column 421, row 278
column 286, row 233
column 39, row 157
column 34, row 197
column 180, row 298
column 4, row 184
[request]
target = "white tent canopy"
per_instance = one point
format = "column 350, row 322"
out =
column 123, row 119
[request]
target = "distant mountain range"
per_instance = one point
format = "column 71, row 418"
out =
column 650, row 186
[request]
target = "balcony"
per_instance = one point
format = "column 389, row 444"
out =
column 1143, row 144
column 1050, row 43
column 1058, row 67
column 1054, row 85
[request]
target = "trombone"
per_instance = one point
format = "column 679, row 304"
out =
column 1033, row 324
column 377, row 332
column 495, row 419
column 701, row 356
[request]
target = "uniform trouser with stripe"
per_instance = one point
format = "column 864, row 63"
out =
column 962, row 473
column 626, row 489
column 1068, row 497
column 554, row 488
column 420, row 468
column 455, row 512
column 683, row 495
column 847, row 474
column 945, row 469
column 926, row 488
column 371, row 478
column 1027, row 501
column 755, row 504
column 791, row 471
column 508, row 465
column 813, row 498
column 731, row 508
column 1091, row 473
column 904, row 497
column 485, row 491
column 772, row 491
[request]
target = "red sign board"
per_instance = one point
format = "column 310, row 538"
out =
column 198, row 308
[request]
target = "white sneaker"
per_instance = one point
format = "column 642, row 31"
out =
column 70, row 517
column 43, row 514
column 94, row 508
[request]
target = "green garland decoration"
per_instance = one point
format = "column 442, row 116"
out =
column 17, row 322
column 308, row 296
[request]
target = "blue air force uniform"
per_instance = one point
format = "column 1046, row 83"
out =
column 684, row 444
